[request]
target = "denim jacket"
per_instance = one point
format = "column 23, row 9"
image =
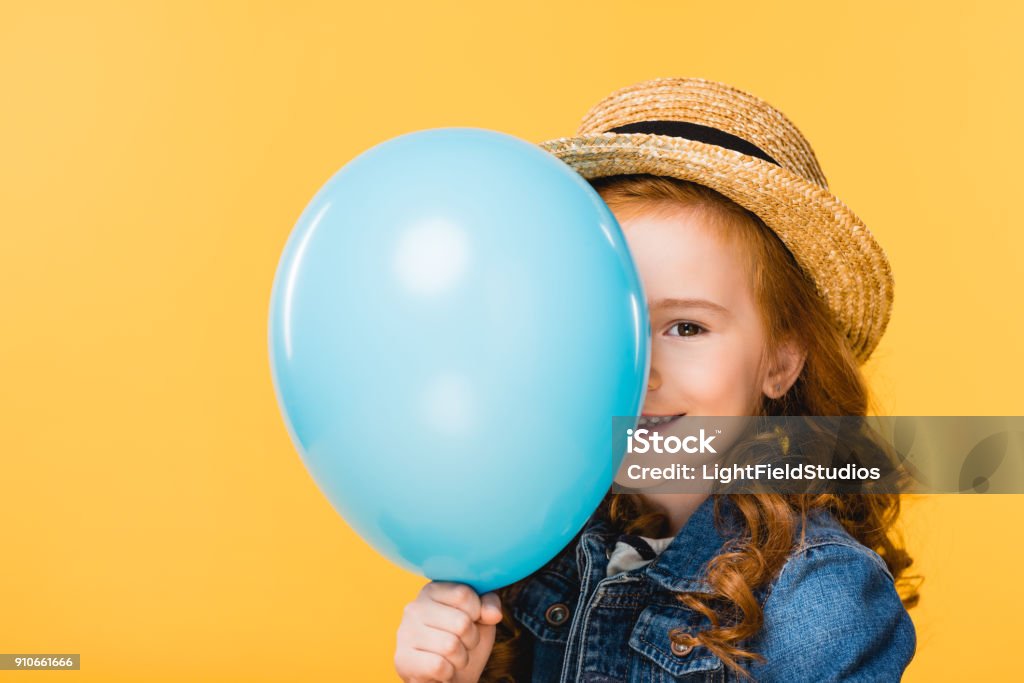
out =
column 831, row 614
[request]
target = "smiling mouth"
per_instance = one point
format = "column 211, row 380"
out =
column 655, row 422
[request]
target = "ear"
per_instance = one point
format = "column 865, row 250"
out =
column 784, row 368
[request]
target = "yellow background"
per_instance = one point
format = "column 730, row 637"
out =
column 155, row 156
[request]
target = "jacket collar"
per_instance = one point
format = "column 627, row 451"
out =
column 680, row 566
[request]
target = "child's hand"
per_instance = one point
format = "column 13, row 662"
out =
column 446, row 634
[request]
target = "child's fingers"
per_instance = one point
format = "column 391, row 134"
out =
column 453, row 621
column 490, row 609
column 444, row 643
column 418, row 666
column 457, row 595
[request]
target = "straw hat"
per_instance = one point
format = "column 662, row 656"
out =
column 716, row 135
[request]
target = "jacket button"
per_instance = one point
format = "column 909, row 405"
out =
column 681, row 645
column 557, row 614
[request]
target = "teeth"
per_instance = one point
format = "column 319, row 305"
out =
column 654, row 421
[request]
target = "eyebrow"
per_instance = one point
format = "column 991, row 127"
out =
column 688, row 303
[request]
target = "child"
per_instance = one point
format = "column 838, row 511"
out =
column 766, row 293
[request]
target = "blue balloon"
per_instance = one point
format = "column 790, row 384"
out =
column 454, row 321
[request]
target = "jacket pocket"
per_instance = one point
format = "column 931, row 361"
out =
column 545, row 606
column 662, row 658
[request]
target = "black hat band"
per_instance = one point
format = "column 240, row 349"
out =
column 698, row 133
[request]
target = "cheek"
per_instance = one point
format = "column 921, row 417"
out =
column 721, row 382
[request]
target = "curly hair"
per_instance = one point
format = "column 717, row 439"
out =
column 830, row 384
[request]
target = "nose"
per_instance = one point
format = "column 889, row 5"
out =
column 654, row 380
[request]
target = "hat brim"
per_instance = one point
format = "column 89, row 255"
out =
column 832, row 245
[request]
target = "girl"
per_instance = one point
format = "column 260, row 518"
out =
column 766, row 293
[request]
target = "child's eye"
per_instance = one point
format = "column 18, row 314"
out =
column 686, row 329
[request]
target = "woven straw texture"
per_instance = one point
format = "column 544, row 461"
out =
column 832, row 245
